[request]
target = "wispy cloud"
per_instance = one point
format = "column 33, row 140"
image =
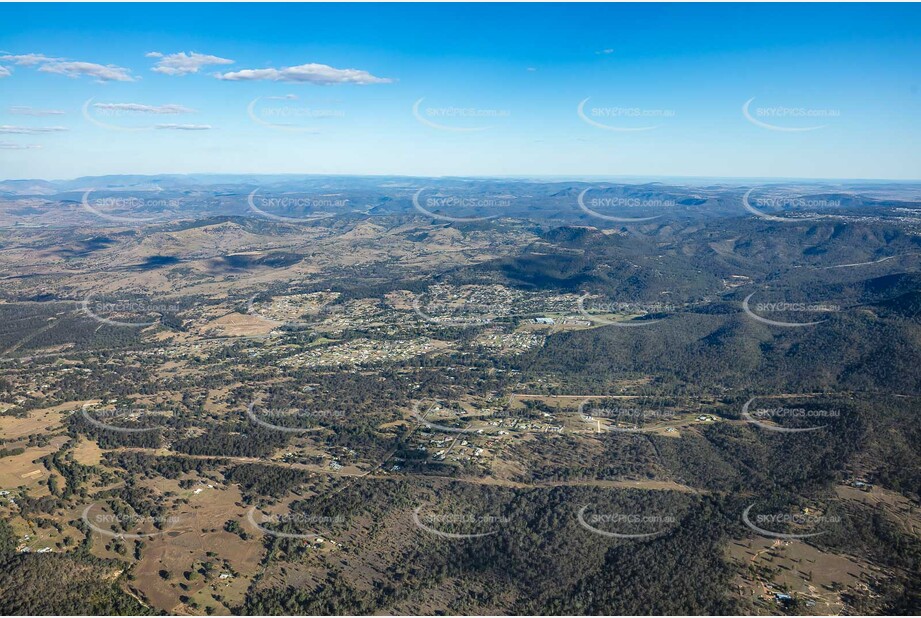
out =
column 102, row 73
column 140, row 108
column 12, row 146
column 184, row 127
column 22, row 110
column 70, row 68
column 604, row 52
column 183, row 63
column 28, row 60
column 6, row 128
column 311, row 73
column 284, row 97
column 4, row 72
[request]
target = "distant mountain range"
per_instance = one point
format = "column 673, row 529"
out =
column 129, row 199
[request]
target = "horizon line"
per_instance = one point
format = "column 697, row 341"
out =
column 558, row 177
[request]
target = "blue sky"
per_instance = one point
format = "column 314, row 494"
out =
column 833, row 91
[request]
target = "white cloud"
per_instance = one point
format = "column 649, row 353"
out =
column 604, row 52
column 531, row 69
column 311, row 73
column 102, row 73
column 285, row 97
column 28, row 60
column 12, row 146
column 4, row 72
column 184, row 127
column 183, row 64
column 5, row 128
column 140, row 108
column 22, row 110
column 62, row 66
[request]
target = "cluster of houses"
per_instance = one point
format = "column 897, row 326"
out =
column 361, row 352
